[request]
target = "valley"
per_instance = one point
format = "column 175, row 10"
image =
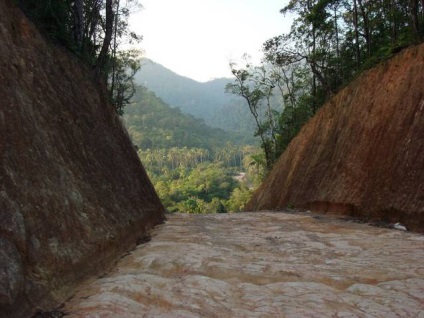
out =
column 116, row 186
column 193, row 166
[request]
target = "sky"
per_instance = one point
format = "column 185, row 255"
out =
column 198, row 38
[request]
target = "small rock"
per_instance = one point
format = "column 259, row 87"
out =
column 399, row 226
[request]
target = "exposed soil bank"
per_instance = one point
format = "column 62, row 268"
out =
column 73, row 193
column 363, row 153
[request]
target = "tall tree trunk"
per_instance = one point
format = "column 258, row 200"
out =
column 91, row 20
column 312, row 59
column 367, row 33
column 103, row 55
column 78, row 9
column 422, row 10
column 314, row 78
column 393, row 18
column 336, row 28
column 413, row 9
column 421, row 23
column 317, row 75
column 355, row 24
column 112, row 87
column 272, row 124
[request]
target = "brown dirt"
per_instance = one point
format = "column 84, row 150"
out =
column 266, row 264
column 363, row 153
column 73, row 194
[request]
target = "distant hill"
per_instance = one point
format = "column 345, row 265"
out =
column 203, row 100
column 152, row 123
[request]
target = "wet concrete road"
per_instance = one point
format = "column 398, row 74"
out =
column 262, row 265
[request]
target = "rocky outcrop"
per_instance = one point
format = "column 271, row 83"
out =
column 73, row 194
column 363, row 153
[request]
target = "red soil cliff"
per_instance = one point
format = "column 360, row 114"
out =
column 73, row 193
column 363, row 153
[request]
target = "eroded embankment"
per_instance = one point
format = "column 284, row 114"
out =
column 73, row 194
column 363, row 153
column 262, row 265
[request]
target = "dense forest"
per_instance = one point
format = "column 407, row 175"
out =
column 194, row 168
column 153, row 124
column 330, row 43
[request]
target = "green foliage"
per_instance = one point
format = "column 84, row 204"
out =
column 292, row 120
column 207, row 101
column 238, row 199
column 256, row 85
column 207, row 187
column 94, row 30
column 220, row 208
column 121, row 86
column 193, row 205
column 194, row 168
column 54, row 17
column 152, row 124
column 330, row 43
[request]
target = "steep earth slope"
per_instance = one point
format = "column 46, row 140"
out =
column 73, row 194
column 363, row 152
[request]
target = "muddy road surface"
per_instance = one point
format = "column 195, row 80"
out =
column 268, row 264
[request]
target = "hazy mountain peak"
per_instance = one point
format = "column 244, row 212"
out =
column 208, row 100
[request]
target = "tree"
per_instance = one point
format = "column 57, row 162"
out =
column 101, row 62
column 329, row 43
column 78, row 22
column 95, row 30
column 254, row 90
column 121, row 83
column 355, row 23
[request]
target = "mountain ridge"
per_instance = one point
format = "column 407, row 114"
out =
column 152, row 123
column 205, row 100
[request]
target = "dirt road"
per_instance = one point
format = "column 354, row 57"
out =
column 262, row 265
